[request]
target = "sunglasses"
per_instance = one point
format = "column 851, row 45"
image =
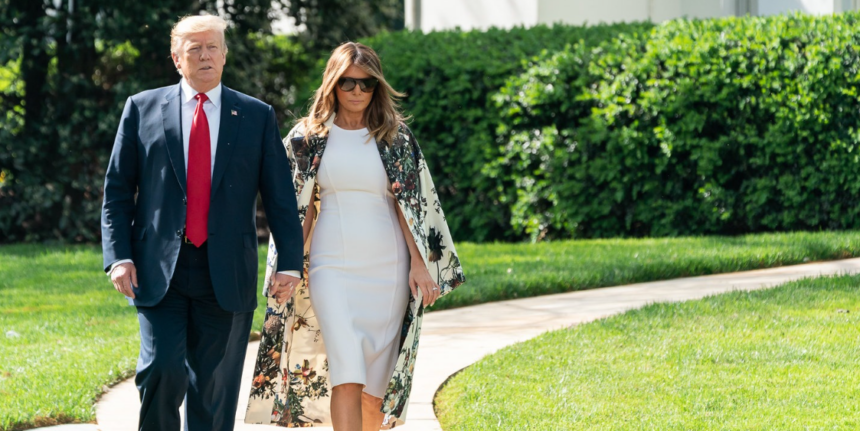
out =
column 348, row 84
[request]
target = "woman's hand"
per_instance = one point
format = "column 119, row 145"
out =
column 419, row 278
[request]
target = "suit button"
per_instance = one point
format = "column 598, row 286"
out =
column 179, row 233
column 185, row 201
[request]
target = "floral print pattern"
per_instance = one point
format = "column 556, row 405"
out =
column 291, row 385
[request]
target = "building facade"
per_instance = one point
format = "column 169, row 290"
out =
column 429, row 15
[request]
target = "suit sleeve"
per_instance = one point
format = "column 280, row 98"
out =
column 279, row 199
column 118, row 206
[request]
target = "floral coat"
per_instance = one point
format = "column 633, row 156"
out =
column 291, row 386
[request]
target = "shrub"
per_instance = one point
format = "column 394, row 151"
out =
column 721, row 126
column 449, row 78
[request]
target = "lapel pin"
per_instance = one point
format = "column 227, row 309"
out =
column 233, row 112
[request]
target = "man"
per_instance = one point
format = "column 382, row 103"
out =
column 179, row 229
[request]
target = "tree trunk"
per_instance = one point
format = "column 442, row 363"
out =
column 34, row 60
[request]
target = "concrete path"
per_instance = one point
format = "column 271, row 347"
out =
column 454, row 339
column 73, row 427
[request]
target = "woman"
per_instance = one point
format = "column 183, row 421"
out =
column 377, row 249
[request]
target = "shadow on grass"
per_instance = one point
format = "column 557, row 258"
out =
column 35, row 250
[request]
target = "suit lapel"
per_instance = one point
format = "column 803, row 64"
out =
column 231, row 118
column 171, row 114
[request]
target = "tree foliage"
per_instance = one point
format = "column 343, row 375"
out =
column 68, row 67
column 75, row 66
column 325, row 24
column 689, row 127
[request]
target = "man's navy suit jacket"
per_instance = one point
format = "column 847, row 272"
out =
column 143, row 214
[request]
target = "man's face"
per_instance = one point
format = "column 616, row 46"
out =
column 201, row 59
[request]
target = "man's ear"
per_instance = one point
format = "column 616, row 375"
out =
column 175, row 59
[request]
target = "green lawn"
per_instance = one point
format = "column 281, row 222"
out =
column 781, row 359
column 506, row 271
column 76, row 334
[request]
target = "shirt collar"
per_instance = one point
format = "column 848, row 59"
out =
column 188, row 93
column 330, row 121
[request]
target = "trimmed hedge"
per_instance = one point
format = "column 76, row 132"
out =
column 721, row 126
column 450, row 78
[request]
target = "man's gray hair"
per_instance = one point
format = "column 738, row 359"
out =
column 196, row 24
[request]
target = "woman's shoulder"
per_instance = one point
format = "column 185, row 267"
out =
column 298, row 130
column 296, row 141
column 404, row 134
column 403, row 128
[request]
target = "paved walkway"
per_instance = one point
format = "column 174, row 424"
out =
column 454, row 339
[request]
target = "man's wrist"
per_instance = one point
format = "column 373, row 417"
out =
column 291, row 273
column 116, row 264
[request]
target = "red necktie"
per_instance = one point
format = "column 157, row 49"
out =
column 199, row 175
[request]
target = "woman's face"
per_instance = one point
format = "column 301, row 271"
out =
column 355, row 101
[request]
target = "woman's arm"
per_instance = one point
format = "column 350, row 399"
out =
column 309, row 221
column 419, row 276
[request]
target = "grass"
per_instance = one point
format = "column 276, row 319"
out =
column 497, row 272
column 780, row 359
column 76, row 334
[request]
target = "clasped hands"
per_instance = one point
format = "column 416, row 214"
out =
column 124, row 276
column 282, row 287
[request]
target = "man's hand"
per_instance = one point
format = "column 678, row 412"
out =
column 283, row 286
column 123, row 277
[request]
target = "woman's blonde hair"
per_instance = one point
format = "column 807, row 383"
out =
column 382, row 116
column 196, row 24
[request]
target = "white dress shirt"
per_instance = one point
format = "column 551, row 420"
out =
column 212, row 108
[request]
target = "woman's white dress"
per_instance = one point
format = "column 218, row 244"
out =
column 359, row 263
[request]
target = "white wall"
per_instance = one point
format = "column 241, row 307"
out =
column 469, row 14
column 846, row 5
column 582, row 11
column 664, row 10
column 592, row 12
column 817, row 7
column 708, row 8
column 482, row 14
